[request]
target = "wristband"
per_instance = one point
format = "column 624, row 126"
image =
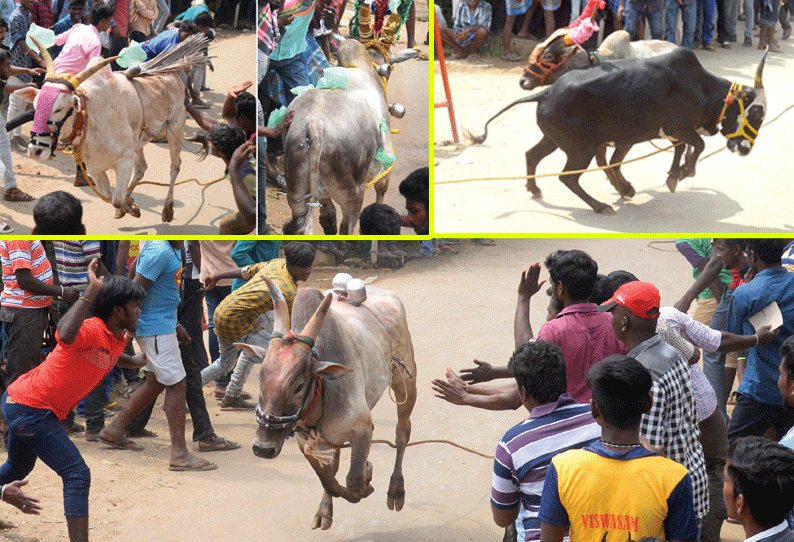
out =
column 61, row 291
column 3, row 493
column 756, row 340
column 90, row 302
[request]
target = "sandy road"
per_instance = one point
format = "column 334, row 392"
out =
column 459, row 307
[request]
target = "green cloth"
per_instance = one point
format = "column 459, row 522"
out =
column 702, row 245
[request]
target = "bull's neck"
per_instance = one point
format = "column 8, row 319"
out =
column 315, row 405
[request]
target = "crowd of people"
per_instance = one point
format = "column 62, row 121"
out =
column 615, row 393
column 471, row 22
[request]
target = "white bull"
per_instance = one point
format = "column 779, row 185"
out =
column 323, row 381
column 119, row 115
column 331, row 143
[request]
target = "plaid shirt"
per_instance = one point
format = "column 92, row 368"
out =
column 698, row 333
column 236, row 316
column 42, row 13
column 672, row 421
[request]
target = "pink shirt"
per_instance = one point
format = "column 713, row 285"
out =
column 585, row 337
column 81, row 44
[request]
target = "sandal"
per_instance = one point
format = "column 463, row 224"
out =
column 15, row 194
column 217, row 444
column 124, row 444
column 5, row 228
column 196, row 464
column 140, row 433
column 510, row 57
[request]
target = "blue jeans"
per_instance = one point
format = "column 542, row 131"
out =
column 214, row 298
column 634, row 10
column 749, row 22
column 704, row 28
column 261, row 171
column 688, row 16
column 714, row 362
column 293, row 74
column 36, row 432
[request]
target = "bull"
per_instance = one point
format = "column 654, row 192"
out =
column 558, row 55
column 321, row 382
column 330, row 145
column 109, row 117
column 630, row 101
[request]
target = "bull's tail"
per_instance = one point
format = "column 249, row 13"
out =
column 314, row 137
column 525, row 100
column 203, row 138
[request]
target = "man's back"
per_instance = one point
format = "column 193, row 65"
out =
column 24, row 255
column 585, row 337
column 160, row 263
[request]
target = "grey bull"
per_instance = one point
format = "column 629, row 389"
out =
column 322, row 382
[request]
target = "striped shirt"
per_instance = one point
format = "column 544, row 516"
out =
column 23, row 255
column 525, row 451
column 236, row 316
column 72, row 259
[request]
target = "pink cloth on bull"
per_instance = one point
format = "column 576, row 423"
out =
column 81, row 44
column 44, row 103
column 581, row 33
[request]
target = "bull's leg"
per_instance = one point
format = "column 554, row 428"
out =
column 360, row 442
column 328, row 216
column 380, row 189
column 534, row 155
column 137, row 175
column 325, row 513
column 404, row 387
column 327, row 477
column 350, row 213
column 675, row 175
column 577, row 162
column 691, row 138
column 623, row 186
column 174, row 149
column 121, row 201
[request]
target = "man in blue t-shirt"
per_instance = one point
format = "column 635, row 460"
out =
column 759, row 407
column 168, row 38
column 159, row 336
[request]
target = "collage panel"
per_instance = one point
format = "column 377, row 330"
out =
column 674, row 113
column 346, row 109
column 311, row 380
column 128, row 142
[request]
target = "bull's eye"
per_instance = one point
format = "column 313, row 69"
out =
column 299, row 388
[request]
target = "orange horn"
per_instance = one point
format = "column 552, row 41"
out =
column 45, row 55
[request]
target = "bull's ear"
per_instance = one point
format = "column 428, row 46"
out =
column 402, row 56
column 328, row 370
column 76, row 102
column 28, row 93
column 252, row 350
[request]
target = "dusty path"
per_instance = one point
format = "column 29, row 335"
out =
column 197, row 209
column 459, row 307
column 729, row 193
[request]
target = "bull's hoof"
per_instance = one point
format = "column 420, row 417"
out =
column 672, row 182
column 134, row 210
column 322, row 522
column 325, row 514
column 627, row 191
column 395, row 497
column 604, row 209
column 168, row 214
column 536, row 192
column 119, row 213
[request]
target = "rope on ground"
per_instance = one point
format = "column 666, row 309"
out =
column 191, row 180
column 430, row 441
column 653, row 244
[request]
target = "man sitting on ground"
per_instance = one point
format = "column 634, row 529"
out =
column 469, row 34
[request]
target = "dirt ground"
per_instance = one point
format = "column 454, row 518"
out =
column 459, row 307
column 408, row 85
column 729, row 192
column 197, row 209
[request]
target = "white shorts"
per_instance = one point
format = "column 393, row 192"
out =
column 163, row 358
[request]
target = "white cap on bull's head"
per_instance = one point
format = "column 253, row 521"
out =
column 54, row 103
column 742, row 129
column 290, row 376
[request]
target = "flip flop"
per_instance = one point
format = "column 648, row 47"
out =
column 484, row 242
column 142, row 433
column 197, row 464
column 15, row 194
column 125, row 444
column 5, row 228
column 217, row 444
column 510, row 57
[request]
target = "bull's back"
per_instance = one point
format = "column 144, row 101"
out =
column 162, row 98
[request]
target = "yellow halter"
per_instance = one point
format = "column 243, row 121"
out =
column 735, row 93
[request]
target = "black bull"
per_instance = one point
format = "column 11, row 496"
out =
column 631, row 101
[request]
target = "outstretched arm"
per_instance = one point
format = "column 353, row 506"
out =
column 454, row 390
column 528, row 286
column 245, row 202
column 229, row 112
column 69, row 325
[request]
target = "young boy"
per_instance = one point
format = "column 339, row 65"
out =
column 230, row 145
column 614, row 489
column 415, row 188
column 37, row 401
column 759, row 488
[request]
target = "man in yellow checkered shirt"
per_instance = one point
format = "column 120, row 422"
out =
column 246, row 315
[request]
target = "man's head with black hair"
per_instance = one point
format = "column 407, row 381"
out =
column 119, row 292
column 76, row 10
column 729, row 251
column 5, row 63
column 101, row 13
column 204, row 20
column 769, row 251
column 621, row 389
column 602, row 290
column 759, row 482
column 539, row 370
column 187, row 29
column 225, row 139
column 785, row 382
column 246, row 111
column 58, row 213
column 379, row 219
column 574, row 270
column 415, row 188
column 300, row 257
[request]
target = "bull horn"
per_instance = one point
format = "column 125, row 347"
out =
column 312, row 328
column 281, row 322
column 89, row 71
column 45, row 56
column 760, row 71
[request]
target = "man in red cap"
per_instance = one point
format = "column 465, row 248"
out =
column 671, row 426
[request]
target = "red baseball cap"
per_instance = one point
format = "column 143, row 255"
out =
column 641, row 298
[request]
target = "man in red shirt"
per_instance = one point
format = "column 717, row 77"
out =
column 36, row 403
